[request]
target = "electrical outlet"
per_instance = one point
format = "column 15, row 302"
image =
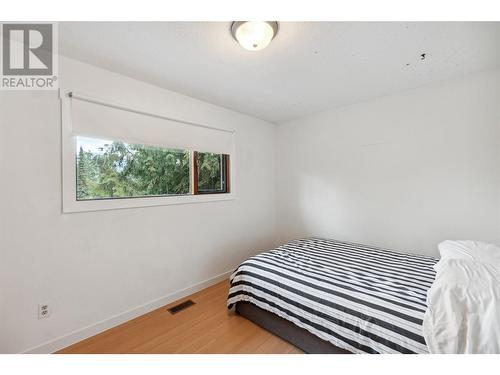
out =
column 43, row 310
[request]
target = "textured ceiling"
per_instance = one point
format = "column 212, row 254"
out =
column 308, row 67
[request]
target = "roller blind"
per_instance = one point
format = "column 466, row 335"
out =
column 93, row 118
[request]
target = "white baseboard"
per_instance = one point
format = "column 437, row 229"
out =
column 93, row 329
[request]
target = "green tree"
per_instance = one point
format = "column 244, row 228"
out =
column 157, row 171
column 126, row 170
column 209, row 171
column 82, row 189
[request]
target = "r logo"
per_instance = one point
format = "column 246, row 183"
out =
column 27, row 49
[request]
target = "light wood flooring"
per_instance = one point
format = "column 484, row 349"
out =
column 206, row 327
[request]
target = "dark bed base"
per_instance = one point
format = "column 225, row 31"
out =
column 288, row 331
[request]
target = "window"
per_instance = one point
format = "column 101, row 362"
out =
column 111, row 170
column 119, row 156
column 211, row 173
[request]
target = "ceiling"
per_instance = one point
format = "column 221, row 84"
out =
column 307, row 68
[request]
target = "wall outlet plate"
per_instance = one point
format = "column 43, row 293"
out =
column 43, row 310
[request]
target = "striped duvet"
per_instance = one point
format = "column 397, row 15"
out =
column 360, row 298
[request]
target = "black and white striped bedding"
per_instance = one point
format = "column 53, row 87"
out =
column 360, row 298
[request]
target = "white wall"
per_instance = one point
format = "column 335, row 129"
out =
column 405, row 171
column 93, row 266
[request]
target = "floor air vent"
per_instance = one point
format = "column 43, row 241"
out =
column 181, row 306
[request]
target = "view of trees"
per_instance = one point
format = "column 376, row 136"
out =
column 117, row 170
column 210, row 171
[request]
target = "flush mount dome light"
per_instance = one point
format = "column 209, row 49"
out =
column 254, row 35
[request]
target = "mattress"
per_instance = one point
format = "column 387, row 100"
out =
column 360, row 298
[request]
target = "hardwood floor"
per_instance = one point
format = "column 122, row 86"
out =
column 206, row 327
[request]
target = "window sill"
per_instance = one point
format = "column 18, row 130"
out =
column 72, row 206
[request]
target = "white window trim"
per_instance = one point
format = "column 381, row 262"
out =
column 69, row 202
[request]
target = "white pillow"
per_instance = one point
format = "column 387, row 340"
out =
column 471, row 250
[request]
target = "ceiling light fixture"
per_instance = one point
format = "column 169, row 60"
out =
column 254, row 35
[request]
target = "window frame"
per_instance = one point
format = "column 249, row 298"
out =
column 71, row 205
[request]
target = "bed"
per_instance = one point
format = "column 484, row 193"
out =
column 328, row 296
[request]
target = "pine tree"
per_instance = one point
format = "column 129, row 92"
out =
column 82, row 190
